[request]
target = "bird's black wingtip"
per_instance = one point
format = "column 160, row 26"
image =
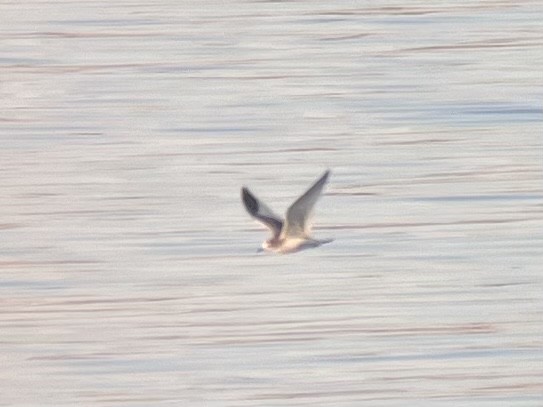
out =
column 324, row 177
column 250, row 202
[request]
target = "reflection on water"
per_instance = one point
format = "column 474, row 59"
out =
column 128, row 273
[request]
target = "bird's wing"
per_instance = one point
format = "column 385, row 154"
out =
column 297, row 220
column 261, row 212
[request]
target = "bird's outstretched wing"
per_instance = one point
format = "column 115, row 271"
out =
column 261, row 212
column 297, row 220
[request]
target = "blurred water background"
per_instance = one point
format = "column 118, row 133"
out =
column 128, row 272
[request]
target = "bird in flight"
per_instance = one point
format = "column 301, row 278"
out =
column 292, row 233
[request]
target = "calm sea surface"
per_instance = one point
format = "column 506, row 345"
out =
column 128, row 272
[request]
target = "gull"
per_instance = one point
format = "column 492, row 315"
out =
column 292, row 233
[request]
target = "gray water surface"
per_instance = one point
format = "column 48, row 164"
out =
column 128, row 272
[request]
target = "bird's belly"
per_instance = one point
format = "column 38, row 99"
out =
column 295, row 244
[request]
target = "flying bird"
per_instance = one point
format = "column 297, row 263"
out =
column 292, row 233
